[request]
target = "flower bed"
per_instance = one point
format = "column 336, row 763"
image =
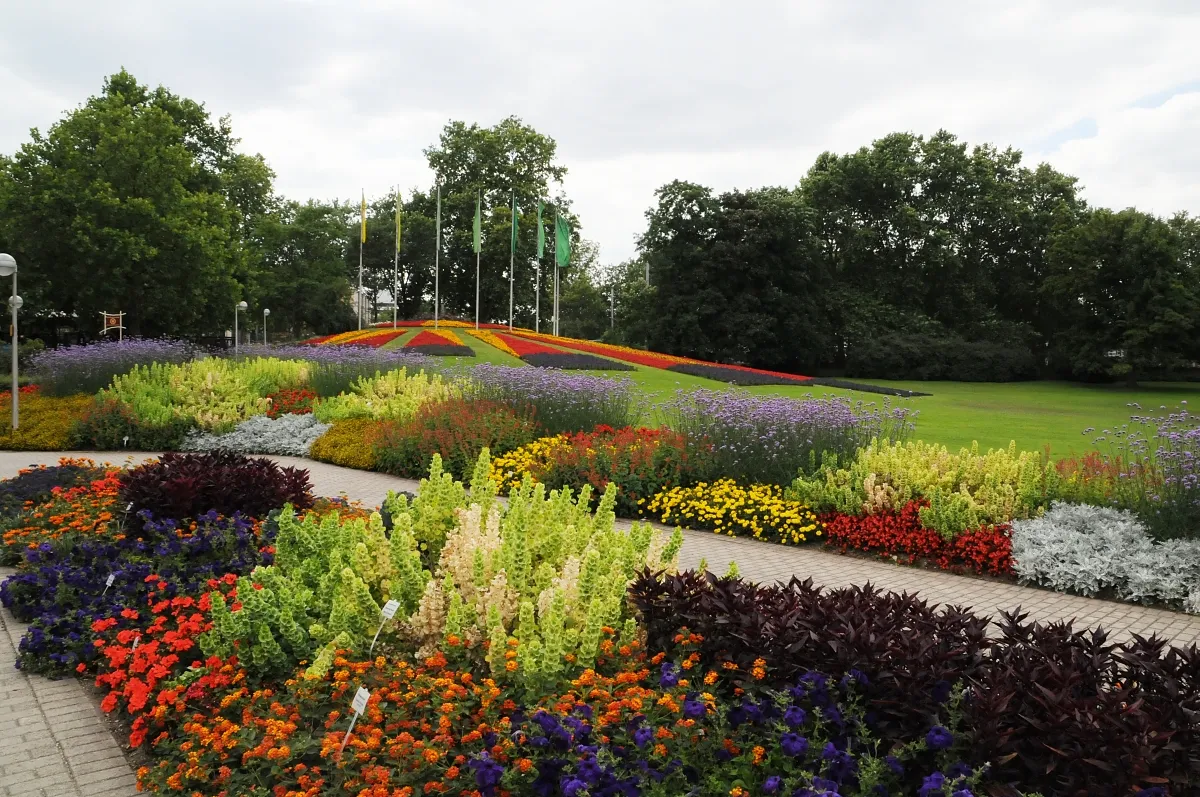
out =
column 536, row 649
column 759, row 511
column 438, row 344
column 739, row 374
column 493, row 340
column 536, row 354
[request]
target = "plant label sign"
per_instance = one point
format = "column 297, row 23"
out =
column 389, row 609
column 359, row 704
column 108, row 582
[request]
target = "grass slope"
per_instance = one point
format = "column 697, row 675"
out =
column 1034, row 414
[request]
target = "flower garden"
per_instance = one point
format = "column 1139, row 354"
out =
column 510, row 638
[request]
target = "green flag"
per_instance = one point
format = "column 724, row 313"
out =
column 478, row 223
column 541, row 238
column 562, row 241
column 514, row 224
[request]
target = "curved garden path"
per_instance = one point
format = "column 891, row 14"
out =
column 57, row 743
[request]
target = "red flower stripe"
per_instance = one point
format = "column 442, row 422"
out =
column 521, row 346
column 427, row 337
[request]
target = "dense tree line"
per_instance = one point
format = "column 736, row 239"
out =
column 138, row 201
column 918, row 257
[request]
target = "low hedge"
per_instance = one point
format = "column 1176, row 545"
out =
column 933, row 358
column 46, row 422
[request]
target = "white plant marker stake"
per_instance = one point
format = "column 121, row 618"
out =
column 357, row 707
column 389, row 611
column 108, row 582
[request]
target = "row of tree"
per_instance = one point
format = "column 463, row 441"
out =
column 139, row 201
column 909, row 256
column 918, row 245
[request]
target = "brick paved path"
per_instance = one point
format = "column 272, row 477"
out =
column 56, row 743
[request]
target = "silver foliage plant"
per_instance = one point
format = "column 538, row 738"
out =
column 1087, row 549
column 287, row 435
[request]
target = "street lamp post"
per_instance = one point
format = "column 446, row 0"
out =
column 266, row 313
column 240, row 306
column 8, row 268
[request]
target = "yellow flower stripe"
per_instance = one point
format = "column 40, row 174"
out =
column 726, row 507
column 670, row 359
column 447, row 323
column 353, row 334
column 493, row 340
column 446, row 334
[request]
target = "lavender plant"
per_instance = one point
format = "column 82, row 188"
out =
column 1157, row 459
column 562, row 401
column 71, row 370
column 768, row 440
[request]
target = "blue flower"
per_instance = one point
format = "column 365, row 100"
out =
column 772, row 784
column 487, row 772
column 794, row 717
column 642, row 736
column 670, row 676
column 573, row 786
column 933, row 786
column 939, row 738
column 694, row 709
column 894, row 765
column 794, row 744
column 959, row 770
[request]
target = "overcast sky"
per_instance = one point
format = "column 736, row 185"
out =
column 342, row 95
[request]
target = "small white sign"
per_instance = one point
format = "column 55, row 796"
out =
column 136, row 642
column 389, row 609
column 109, row 581
column 359, row 705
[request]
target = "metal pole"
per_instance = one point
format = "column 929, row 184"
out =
column 264, row 326
column 612, row 305
column 361, row 246
column 537, row 297
column 437, row 251
column 235, row 329
column 477, row 290
column 16, row 419
column 513, row 205
column 396, row 264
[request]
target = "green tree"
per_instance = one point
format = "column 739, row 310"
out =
column 134, row 201
column 1125, row 295
column 736, row 278
column 510, row 159
column 302, row 275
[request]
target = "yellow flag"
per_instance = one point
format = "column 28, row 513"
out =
column 363, row 210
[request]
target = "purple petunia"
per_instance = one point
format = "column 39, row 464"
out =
column 939, row 738
column 793, row 744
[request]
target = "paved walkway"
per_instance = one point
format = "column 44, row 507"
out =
column 56, row 742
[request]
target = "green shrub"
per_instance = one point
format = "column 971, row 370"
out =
column 395, row 395
column 109, row 424
column 929, row 357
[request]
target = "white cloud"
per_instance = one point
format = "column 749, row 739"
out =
column 343, row 95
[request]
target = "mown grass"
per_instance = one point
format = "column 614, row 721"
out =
column 1036, row 415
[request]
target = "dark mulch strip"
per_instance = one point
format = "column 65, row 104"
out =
column 736, row 376
column 575, row 362
column 449, row 350
column 886, row 391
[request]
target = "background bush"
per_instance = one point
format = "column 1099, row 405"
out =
column 70, row 370
column 929, row 357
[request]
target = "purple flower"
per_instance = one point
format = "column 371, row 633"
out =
column 794, row 716
column 642, row 736
column 694, row 709
column 772, row 784
column 487, row 773
column 793, row 744
column 894, row 765
column 939, row 738
column 933, row 786
column 670, row 675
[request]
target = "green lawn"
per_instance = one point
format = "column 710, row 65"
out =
column 1034, row 414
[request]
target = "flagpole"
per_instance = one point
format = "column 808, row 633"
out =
column 396, row 265
column 537, row 296
column 437, row 252
column 511, row 256
column 361, row 245
column 478, row 200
